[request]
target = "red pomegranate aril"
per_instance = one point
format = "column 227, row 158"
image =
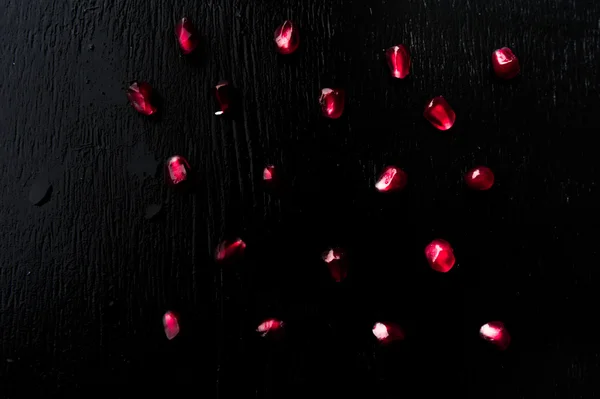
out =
column 187, row 36
column 439, row 113
column 387, row 332
column 223, row 97
column 496, row 333
column 505, row 63
column 287, row 38
column 171, row 325
column 398, row 59
column 177, row 170
column 336, row 263
column 229, row 250
column 269, row 173
column 480, row 178
column 140, row 97
column 392, row 179
column 332, row 102
column 440, row 255
column 269, row 326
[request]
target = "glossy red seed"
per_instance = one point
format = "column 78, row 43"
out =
column 496, row 333
column 187, row 36
column 223, row 97
column 439, row 113
column 440, row 255
column 387, row 332
column 332, row 102
column 177, row 170
column 287, row 38
column 269, row 173
column 228, row 250
column 392, row 179
column 505, row 63
column 398, row 60
column 480, row 178
column 336, row 263
column 171, row 325
column 269, row 326
column 140, row 97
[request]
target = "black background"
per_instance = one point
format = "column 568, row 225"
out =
column 85, row 279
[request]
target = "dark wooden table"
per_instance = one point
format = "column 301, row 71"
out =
column 85, row 278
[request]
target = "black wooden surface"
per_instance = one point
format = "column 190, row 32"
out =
column 85, row 278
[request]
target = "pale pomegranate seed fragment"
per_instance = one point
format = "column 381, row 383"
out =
column 496, row 333
column 337, row 264
column 387, row 332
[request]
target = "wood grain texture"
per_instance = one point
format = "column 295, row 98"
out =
column 85, row 278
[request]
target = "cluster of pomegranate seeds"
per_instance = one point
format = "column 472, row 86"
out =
column 440, row 255
column 177, row 170
column 480, row 178
column 387, row 332
column 392, row 179
column 229, row 250
column 223, row 97
column 140, row 97
column 439, row 113
column 332, row 102
column 187, row 36
column 398, row 60
column 269, row 326
column 287, row 38
column 505, row 63
column 496, row 333
column 336, row 263
column 171, row 325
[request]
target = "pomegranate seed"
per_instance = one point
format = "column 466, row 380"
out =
column 268, row 173
column 287, row 38
column 480, row 178
column 387, row 332
column 505, row 63
column 439, row 113
column 336, row 262
column 223, row 97
column 332, row 102
column 140, row 96
column 440, row 255
column 269, row 326
column 398, row 60
column 229, row 250
column 496, row 333
column 171, row 325
column 392, row 179
column 187, row 36
column 177, row 170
